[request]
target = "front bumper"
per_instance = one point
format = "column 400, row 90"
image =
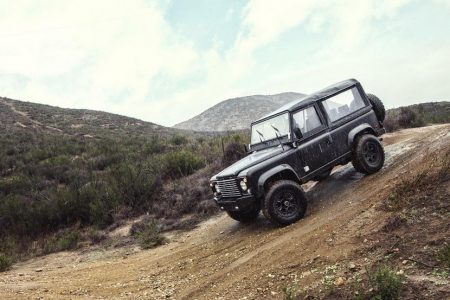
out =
column 242, row 203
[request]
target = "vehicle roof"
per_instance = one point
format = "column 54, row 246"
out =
column 311, row 98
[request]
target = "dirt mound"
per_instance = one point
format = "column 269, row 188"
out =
column 347, row 231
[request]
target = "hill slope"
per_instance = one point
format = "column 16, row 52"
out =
column 65, row 170
column 237, row 113
column 354, row 223
column 42, row 118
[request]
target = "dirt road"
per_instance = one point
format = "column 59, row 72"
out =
column 225, row 260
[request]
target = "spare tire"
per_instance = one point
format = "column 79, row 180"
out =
column 378, row 107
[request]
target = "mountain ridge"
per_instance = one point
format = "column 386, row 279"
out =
column 237, row 113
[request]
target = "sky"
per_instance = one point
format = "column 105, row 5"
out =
column 166, row 61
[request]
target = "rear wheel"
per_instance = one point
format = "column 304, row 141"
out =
column 244, row 216
column 368, row 155
column 378, row 107
column 285, row 203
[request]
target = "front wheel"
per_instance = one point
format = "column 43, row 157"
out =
column 244, row 216
column 368, row 155
column 285, row 203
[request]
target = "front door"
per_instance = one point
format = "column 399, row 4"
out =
column 315, row 146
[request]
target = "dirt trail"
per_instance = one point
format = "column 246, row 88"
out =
column 225, row 260
column 28, row 120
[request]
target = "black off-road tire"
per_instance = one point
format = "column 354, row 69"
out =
column 245, row 216
column 378, row 107
column 285, row 203
column 368, row 154
column 322, row 176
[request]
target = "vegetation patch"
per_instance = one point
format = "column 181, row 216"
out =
column 5, row 262
column 148, row 233
column 67, row 240
column 386, row 283
column 443, row 255
column 290, row 292
column 233, row 152
column 419, row 186
column 417, row 115
column 181, row 163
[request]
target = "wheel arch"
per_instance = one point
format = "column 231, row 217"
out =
column 358, row 130
column 280, row 172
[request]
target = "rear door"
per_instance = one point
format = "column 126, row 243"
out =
column 314, row 150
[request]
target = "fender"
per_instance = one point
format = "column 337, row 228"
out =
column 358, row 129
column 266, row 175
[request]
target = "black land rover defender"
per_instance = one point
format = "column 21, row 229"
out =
column 299, row 142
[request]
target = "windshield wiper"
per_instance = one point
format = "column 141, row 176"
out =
column 278, row 135
column 261, row 136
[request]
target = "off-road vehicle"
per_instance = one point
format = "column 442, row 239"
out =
column 302, row 141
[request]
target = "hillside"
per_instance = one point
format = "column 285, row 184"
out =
column 66, row 172
column 237, row 113
column 42, row 118
column 417, row 115
column 362, row 237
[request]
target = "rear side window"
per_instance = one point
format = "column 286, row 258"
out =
column 307, row 120
column 343, row 104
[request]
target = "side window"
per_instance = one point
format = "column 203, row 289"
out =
column 307, row 119
column 343, row 104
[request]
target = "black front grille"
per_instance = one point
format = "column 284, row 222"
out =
column 229, row 188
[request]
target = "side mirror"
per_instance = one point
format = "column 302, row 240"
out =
column 298, row 133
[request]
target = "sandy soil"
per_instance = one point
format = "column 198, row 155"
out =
column 222, row 259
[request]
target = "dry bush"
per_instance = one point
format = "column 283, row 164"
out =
column 233, row 152
column 5, row 262
column 187, row 196
column 147, row 232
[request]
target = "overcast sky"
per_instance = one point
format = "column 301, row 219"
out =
column 166, row 61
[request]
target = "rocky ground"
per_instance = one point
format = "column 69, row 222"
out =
column 328, row 254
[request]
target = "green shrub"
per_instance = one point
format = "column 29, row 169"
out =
column 67, row 240
column 289, row 293
column 5, row 262
column 405, row 117
column 178, row 140
column 443, row 255
column 388, row 285
column 148, row 233
column 14, row 184
column 181, row 163
column 96, row 236
column 135, row 185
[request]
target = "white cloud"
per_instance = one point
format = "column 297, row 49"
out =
column 104, row 47
column 111, row 55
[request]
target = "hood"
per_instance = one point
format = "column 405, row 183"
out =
column 248, row 161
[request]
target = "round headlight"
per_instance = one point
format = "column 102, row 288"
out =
column 243, row 184
column 216, row 187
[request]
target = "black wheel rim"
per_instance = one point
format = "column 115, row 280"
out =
column 371, row 153
column 286, row 204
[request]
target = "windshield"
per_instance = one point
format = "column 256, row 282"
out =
column 269, row 129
